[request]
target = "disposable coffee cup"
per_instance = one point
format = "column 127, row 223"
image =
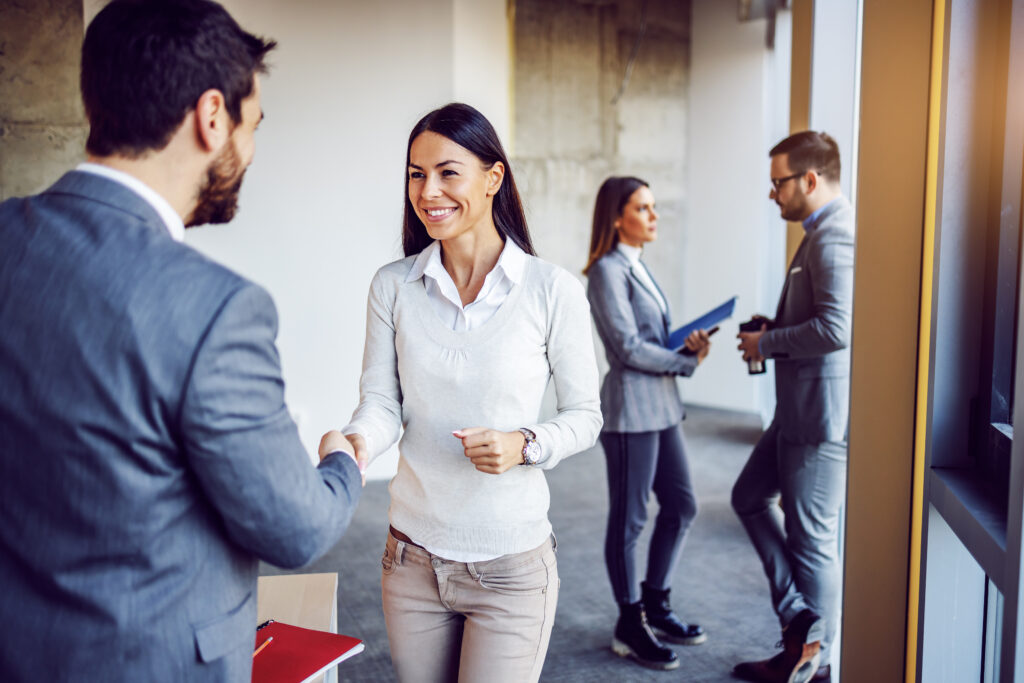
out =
column 754, row 367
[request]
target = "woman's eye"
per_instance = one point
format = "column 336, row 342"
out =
column 448, row 172
column 415, row 175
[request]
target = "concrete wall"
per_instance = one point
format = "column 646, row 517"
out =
column 42, row 127
column 705, row 102
column 570, row 59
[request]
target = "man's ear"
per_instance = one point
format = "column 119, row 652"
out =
column 495, row 176
column 212, row 121
column 812, row 179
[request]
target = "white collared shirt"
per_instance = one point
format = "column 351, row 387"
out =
column 172, row 221
column 444, row 295
column 640, row 270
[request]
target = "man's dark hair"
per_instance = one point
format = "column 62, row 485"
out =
column 146, row 62
column 468, row 128
column 810, row 150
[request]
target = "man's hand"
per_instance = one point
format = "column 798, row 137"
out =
column 699, row 344
column 354, row 445
column 749, row 343
column 492, row 451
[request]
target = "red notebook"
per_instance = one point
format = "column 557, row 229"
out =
column 298, row 654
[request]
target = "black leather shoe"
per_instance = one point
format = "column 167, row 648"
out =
column 663, row 621
column 798, row 661
column 634, row 639
column 804, row 632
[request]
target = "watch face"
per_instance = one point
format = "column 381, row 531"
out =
column 532, row 454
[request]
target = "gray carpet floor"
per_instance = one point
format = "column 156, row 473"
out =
column 719, row 582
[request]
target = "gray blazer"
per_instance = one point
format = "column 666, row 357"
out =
column 147, row 458
column 810, row 336
column 639, row 393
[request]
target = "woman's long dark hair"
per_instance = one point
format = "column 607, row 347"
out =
column 468, row 128
column 611, row 200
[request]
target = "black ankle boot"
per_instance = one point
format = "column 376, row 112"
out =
column 663, row 620
column 633, row 638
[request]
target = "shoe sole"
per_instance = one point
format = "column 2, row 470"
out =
column 623, row 650
column 694, row 640
column 807, row 666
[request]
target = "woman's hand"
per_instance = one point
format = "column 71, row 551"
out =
column 354, row 445
column 699, row 343
column 492, row 451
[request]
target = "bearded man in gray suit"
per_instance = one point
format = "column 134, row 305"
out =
column 802, row 455
column 147, row 458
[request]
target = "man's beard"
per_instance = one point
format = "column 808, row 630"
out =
column 218, row 197
column 794, row 211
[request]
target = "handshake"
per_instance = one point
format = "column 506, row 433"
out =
column 353, row 445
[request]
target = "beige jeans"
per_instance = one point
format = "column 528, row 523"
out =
column 467, row 622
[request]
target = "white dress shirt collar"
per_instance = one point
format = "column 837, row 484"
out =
column 428, row 262
column 444, row 295
column 172, row 221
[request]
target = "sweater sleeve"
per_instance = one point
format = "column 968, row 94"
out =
column 570, row 350
column 378, row 418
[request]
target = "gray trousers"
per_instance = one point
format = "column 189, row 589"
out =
column 463, row 622
column 799, row 543
column 639, row 463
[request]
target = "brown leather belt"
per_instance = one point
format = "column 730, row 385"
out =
column 399, row 536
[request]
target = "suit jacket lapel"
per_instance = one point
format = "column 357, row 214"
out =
column 836, row 205
column 632, row 273
column 797, row 259
column 664, row 313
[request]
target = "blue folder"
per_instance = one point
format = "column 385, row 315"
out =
column 677, row 339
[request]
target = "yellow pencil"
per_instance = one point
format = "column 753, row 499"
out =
column 265, row 643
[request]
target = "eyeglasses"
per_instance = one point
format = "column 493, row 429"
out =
column 777, row 183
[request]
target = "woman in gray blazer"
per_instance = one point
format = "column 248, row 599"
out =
column 642, row 435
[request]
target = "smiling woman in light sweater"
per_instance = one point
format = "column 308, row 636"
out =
column 462, row 338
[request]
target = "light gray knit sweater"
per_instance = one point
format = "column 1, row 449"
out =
column 423, row 376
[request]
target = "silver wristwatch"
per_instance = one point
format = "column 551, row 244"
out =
column 531, row 449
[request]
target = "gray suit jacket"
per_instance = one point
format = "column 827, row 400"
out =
column 639, row 393
column 810, row 337
column 147, row 458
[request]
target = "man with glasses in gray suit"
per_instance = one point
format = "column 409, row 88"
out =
column 147, row 458
column 801, row 457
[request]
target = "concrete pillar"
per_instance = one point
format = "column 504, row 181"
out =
column 42, row 125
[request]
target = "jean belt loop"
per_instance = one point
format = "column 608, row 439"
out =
column 399, row 552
